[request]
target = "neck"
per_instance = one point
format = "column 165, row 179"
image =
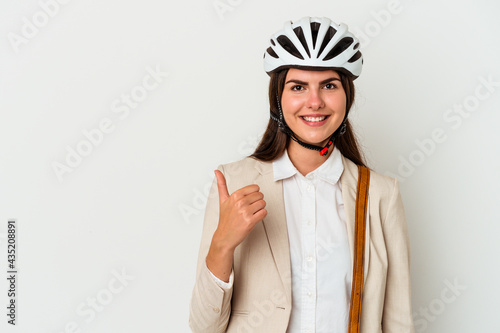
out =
column 306, row 160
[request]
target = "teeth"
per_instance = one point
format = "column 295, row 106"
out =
column 314, row 119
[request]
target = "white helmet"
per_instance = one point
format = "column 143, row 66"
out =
column 313, row 43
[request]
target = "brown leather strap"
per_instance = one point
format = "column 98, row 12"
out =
column 359, row 249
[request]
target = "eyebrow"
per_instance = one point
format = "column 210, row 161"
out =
column 305, row 83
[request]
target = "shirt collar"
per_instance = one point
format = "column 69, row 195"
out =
column 330, row 171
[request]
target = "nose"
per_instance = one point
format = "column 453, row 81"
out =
column 315, row 100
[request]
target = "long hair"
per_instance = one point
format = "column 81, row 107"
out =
column 274, row 142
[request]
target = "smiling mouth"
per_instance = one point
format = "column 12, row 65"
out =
column 314, row 119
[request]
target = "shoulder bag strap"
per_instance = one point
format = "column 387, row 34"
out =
column 359, row 247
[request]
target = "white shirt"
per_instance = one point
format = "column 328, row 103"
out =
column 319, row 247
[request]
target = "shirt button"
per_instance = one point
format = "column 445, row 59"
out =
column 215, row 309
column 309, row 188
column 309, row 176
column 309, row 222
column 309, row 294
column 309, row 258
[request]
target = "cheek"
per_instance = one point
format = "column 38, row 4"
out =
column 342, row 107
column 339, row 104
column 291, row 105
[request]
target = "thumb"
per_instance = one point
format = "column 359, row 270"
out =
column 221, row 185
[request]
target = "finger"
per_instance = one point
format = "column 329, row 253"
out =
column 252, row 213
column 240, row 193
column 255, row 207
column 260, row 215
column 221, row 185
column 252, row 197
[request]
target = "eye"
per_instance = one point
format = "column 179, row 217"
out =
column 297, row 87
column 330, row 86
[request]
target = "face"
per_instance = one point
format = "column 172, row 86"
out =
column 313, row 104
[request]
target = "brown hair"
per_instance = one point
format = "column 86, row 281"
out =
column 274, row 142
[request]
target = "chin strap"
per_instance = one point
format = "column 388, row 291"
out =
column 282, row 125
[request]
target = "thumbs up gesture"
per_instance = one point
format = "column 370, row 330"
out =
column 238, row 215
column 239, row 212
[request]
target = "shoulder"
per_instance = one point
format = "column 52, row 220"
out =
column 244, row 171
column 383, row 193
column 381, row 186
column 247, row 163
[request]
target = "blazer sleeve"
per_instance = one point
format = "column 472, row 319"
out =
column 210, row 304
column 397, row 315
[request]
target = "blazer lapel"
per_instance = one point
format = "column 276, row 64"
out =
column 275, row 223
column 349, row 183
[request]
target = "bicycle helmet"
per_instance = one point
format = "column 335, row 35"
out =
column 315, row 44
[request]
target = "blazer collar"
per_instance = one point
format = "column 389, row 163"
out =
column 275, row 221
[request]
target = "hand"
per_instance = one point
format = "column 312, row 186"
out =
column 238, row 213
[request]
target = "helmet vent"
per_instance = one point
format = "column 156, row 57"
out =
column 271, row 52
column 341, row 46
column 300, row 35
column 314, row 32
column 328, row 36
column 287, row 44
column 355, row 57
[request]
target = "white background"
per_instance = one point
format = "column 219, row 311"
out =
column 135, row 203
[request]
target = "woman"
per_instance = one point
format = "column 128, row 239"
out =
column 277, row 244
